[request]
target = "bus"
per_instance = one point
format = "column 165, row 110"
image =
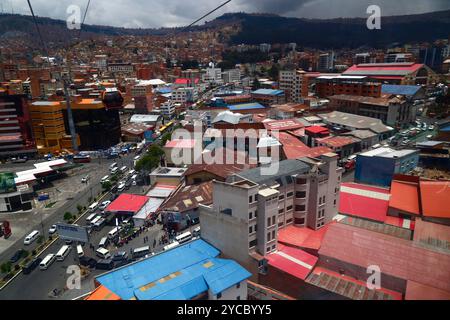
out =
column 172, row 245
column 140, row 252
column 81, row 159
column 184, row 237
column 165, row 127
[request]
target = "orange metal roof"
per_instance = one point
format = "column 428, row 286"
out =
column 405, row 197
column 435, row 197
column 102, row 293
column 302, row 237
column 418, row 291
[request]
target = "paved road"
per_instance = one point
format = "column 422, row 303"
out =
column 70, row 206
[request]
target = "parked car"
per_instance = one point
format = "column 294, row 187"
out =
column 30, row 266
column 104, row 205
column 119, row 256
column 16, row 257
column 52, row 229
column 88, row 262
column 85, row 179
column 121, row 187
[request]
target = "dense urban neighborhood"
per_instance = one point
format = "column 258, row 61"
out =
column 184, row 165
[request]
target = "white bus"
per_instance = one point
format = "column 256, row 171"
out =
column 140, row 252
column 90, row 218
column 95, row 220
column 80, row 251
column 114, row 233
column 172, row 245
column 93, row 207
column 48, row 260
column 63, row 252
column 184, row 237
column 104, row 179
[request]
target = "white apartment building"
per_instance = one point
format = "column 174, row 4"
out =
column 231, row 76
column 250, row 208
column 101, row 61
column 290, row 81
column 184, row 95
column 168, row 109
column 213, row 75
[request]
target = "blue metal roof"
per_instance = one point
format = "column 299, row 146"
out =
column 245, row 106
column 400, row 89
column 270, row 92
column 177, row 274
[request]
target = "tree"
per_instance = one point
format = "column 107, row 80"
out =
column 106, row 186
column 256, row 84
column 67, row 216
column 274, row 72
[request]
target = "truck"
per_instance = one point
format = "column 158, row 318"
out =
column 5, row 229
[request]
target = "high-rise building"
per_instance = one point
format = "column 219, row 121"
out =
column 16, row 138
column 250, row 208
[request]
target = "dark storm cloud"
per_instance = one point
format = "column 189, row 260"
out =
column 159, row 13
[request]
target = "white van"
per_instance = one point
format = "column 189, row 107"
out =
column 103, row 242
column 172, row 245
column 29, row 239
column 95, row 220
column 103, row 253
column 104, row 179
column 63, row 252
column 123, row 169
column 91, row 218
column 93, row 207
column 48, row 260
column 80, row 251
column 114, row 170
column 184, row 237
column 113, row 233
column 112, row 166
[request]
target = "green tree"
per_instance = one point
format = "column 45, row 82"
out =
column 106, row 186
column 67, row 216
column 274, row 72
column 256, row 84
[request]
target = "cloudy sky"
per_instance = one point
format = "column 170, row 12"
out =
column 169, row 13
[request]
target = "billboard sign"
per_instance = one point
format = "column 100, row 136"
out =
column 72, row 232
column 7, row 183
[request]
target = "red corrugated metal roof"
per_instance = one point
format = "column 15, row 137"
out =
column 405, row 197
column 418, row 291
column 435, row 198
column 131, row 203
column 412, row 67
column 283, row 125
column 394, row 256
column 317, row 129
column 293, row 261
column 302, row 237
column 364, row 201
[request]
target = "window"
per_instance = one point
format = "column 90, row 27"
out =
column 301, row 181
column 273, row 234
column 281, row 197
column 256, row 213
column 219, row 295
column 256, row 227
column 288, row 220
column 252, row 243
column 250, row 215
column 334, row 202
column 300, row 207
column 299, row 220
column 290, row 194
column 250, row 199
column 289, row 208
column 250, row 229
column 280, row 211
column 238, row 298
column 268, row 221
column 273, row 220
column 238, row 285
column 280, row 224
column 268, row 236
column 300, row 194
